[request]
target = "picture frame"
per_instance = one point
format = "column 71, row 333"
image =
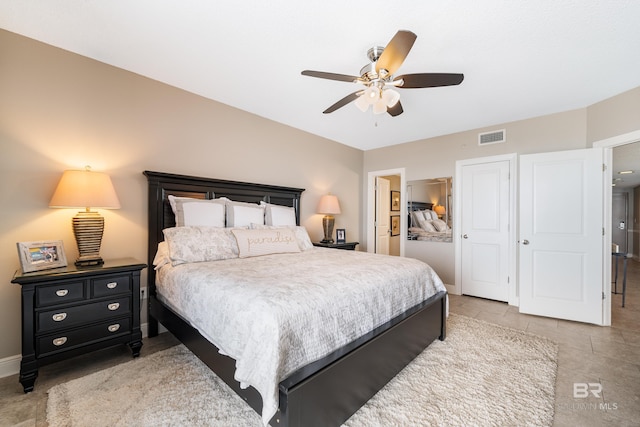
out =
column 395, row 201
column 395, row 226
column 341, row 235
column 41, row 255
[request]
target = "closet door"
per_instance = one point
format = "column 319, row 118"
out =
column 485, row 210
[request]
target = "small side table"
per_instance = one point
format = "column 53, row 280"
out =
column 348, row 246
column 73, row 310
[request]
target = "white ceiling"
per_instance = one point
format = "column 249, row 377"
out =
column 520, row 59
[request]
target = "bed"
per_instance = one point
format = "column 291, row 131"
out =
column 425, row 225
column 326, row 391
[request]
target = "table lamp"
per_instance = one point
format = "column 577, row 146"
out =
column 86, row 189
column 440, row 210
column 328, row 206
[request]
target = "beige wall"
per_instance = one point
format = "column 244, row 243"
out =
column 62, row 111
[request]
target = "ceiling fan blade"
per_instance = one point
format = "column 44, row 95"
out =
column 330, row 76
column 396, row 51
column 344, row 101
column 396, row 110
column 414, row 81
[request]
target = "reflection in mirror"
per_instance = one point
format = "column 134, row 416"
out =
column 429, row 209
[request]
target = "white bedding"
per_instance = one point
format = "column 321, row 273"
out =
column 276, row 313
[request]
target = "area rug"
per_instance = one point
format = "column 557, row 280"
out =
column 482, row 374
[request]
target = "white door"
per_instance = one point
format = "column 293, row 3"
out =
column 561, row 235
column 485, row 230
column 383, row 201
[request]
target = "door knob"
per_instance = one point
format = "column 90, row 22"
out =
column 464, row 236
column 525, row 242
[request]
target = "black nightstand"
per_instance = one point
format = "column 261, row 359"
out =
column 349, row 246
column 71, row 310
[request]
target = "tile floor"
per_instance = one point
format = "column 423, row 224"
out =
column 608, row 358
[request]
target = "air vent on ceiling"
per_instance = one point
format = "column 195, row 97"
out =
column 493, row 137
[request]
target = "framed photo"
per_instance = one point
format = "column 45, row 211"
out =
column 35, row 256
column 395, row 225
column 395, row 200
column 341, row 235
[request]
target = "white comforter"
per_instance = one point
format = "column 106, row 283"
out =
column 276, row 313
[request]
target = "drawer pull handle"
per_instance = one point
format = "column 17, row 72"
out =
column 62, row 292
column 59, row 317
column 113, row 328
column 59, row 341
column 112, row 285
column 113, row 306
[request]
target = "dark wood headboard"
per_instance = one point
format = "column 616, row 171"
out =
column 162, row 185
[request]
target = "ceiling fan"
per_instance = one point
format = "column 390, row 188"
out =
column 378, row 80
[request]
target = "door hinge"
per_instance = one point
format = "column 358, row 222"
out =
column 508, row 278
column 603, row 231
column 604, row 167
column 603, row 297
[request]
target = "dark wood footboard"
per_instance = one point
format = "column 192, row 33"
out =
column 327, row 392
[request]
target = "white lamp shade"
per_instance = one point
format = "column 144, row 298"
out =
column 390, row 97
column 85, row 189
column 379, row 107
column 362, row 103
column 372, row 94
column 328, row 205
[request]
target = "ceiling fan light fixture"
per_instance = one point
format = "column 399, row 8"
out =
column 390, row 97
column 362, row 103
column 372, row 94
column 380, row 107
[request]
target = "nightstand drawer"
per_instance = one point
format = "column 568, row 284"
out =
column 59, row 294
column 110, row 286
column 87, row 313
column 70, row 339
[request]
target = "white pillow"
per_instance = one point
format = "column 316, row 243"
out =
column 199, row 244
column 429, row 215
column 241, row 214
column 257, row 242
column 279, row 215
column 304, row 241
column 426, row 225
column 172, row 201
column 440, row 225
column 162, row 256
column 199, row 212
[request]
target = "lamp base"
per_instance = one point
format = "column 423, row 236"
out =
column 89, row 262
column 327, row 225
column 88, row 227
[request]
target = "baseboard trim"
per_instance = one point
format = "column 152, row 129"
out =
column 10, row 366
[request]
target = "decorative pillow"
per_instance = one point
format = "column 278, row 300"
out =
column 429, row 215
column 162, row 256
column 199, row 244
column 173, row 199
column 278, row 215
column 258, row 242
column 304, row 241
column 440, row 225
column 199, row 212
column 241, row 214
column 427, row 225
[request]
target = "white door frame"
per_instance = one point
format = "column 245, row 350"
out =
column 457, row 220
column 608, row 144
column 371, row 197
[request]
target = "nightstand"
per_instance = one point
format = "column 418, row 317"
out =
column 73, row 310
column 349, row 246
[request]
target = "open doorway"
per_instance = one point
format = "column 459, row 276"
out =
column 386, row 212
column 625, row 200
column 624, row 142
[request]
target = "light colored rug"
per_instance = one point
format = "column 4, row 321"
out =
column 482, row 374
